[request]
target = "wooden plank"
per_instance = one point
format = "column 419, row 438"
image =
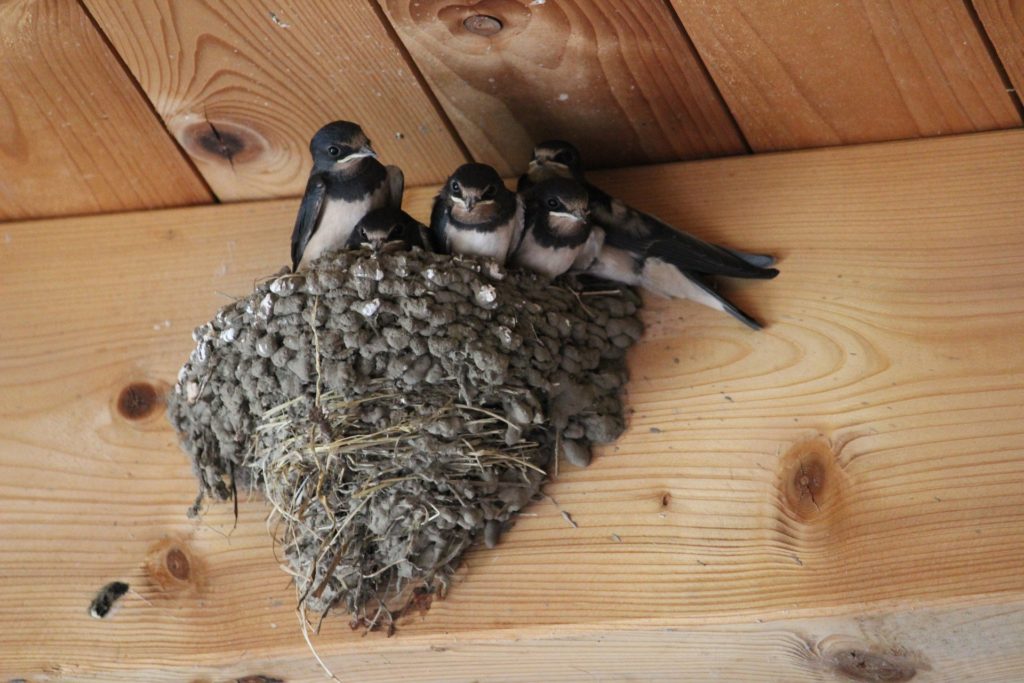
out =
column 1004, row 24
column 244, row 85
column 890, row 377
column 618, row 78
column 802, row 73
column 75, row 135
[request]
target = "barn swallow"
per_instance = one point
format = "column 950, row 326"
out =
column 557, row 234
column 346, row 183
column 635, row 229
column 475, row 214
column 392, row 227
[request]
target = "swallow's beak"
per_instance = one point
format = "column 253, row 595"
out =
column 582, row 214
column 364, row 151
column 470, row 203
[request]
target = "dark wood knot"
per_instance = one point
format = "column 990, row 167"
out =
column 138, row 401
column 863, row 665
column 177, row 564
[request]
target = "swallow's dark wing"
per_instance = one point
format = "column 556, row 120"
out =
column 630, row 229
column 438, row 225
column 396, row 186
column 309, row 215
column 524, row 184
column 691, row 254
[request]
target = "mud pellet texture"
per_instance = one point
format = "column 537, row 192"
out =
column 396, row 408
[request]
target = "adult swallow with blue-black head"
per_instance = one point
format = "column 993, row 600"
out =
column 475, row 214
column 346, row 183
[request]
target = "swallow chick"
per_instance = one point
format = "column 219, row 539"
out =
column 557, row 234
column 557, row 158
column 346, row 183
column 475, row 214
column 389, row 229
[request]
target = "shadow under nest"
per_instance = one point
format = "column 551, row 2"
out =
column 395, row 408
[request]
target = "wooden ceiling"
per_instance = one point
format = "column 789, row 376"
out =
column 113, row 105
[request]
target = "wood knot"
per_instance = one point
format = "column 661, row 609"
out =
column 138, row 401
column 177, row 564
column 666, row 499
column 173, row 569
column 482, row 24
column 810, row 479
column 864, row 665
column 221, row 141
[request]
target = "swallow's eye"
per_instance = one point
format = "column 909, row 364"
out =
column 489, row 192
column 333, row 151
column 564, row 158
column 456, row 188
column 552, row 203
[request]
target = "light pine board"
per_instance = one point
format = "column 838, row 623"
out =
column 76, row 136
column 849, row 479
column 805, row 73
column 244, row 85
column 1004, row 23
column 617, row 78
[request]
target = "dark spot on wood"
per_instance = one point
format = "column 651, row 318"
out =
column 666, row 499
column 863, row 665
column 259, row 678
column 106, row 597
column 223, row 144
column 178, row 564
column 482, row 24
column 138, row 400
column 220, row 141
column 173, row 571
column 810, row 479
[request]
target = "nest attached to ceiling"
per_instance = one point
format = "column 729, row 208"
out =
column 394, row 408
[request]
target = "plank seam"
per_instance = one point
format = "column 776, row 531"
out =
column 414, row 68
column 993, row 54
column 699, row 59
column 148, row 102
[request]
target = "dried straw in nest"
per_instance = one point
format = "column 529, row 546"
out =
column 394, row 408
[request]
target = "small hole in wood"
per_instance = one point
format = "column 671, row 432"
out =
column 482, row 24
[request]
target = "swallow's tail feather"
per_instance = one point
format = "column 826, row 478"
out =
column 664, row 278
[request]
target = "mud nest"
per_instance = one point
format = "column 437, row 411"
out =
column 395, row 408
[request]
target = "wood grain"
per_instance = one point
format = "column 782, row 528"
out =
column 75, row 135
column 802, row 73
column 244, row 85
column 1004, row 24
column 849, row 480
column 617, row 78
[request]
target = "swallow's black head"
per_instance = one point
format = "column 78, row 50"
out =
column 379, row 227
column 560, row 197
column 473, row 184
column 339, row 144
column 553, row 158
